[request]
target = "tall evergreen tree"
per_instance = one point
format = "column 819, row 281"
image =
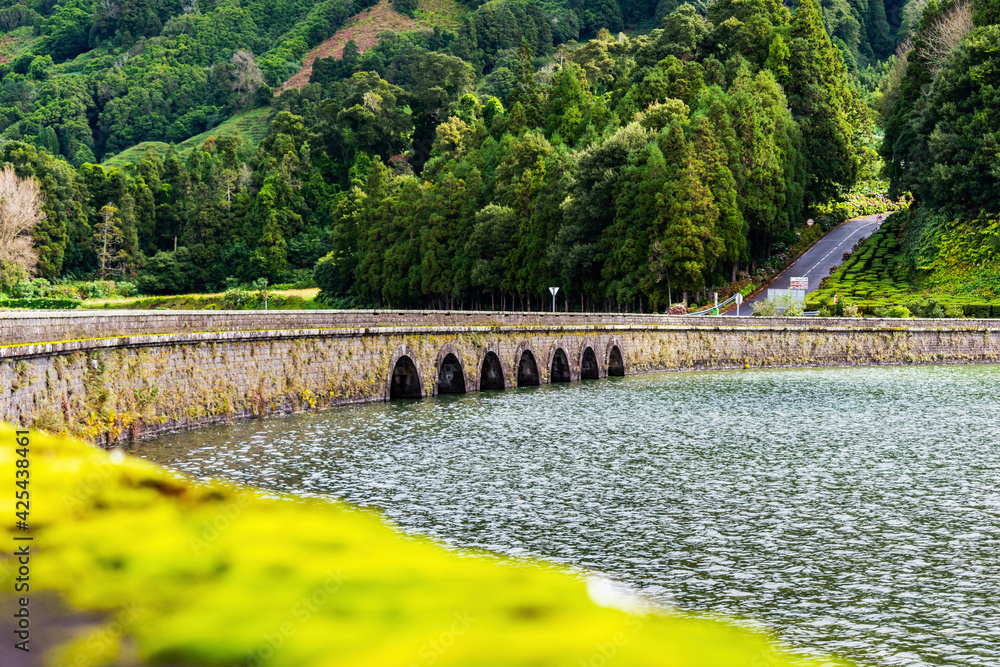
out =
column 820, row 99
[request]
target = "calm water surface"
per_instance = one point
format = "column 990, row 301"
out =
column 854, row 512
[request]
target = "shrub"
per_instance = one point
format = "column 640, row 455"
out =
column 851, row 310
column 169, row 273
column 880, row 311
column 239, row 298
column 677, row 309
column 766, row 308
column 31, row 289
column 98, row 289
column 899, row 311
column 978, row 310
column 954, row 311
column 793, row 309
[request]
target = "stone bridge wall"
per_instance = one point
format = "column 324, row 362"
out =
column 108, row 388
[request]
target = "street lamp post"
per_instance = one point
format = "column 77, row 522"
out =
column 553, row 290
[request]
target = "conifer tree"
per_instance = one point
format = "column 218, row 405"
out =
column 820, row 98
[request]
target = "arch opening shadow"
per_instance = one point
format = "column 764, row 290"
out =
column 527, row 370
column 491, row 375
column 560, row 367
column 451, row 380
column 405, row 380
column 589, row 369
column 616, row 366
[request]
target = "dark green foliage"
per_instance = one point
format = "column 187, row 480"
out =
column 38, row 304
column 946, row 151
column 407, row 7
column 170, row 273
column 822, row 102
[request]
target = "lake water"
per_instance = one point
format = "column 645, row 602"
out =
column 853, row 512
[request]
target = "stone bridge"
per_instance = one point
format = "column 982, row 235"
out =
column 108, row 376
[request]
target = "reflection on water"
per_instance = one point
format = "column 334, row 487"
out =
column 853, row 511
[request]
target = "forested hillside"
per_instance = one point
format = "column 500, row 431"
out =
column 629, row 152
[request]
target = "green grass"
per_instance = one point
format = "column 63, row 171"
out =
column 251, row 126
column 163, row 569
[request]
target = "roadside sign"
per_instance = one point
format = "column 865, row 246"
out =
column 799, row 283
column 739, row 298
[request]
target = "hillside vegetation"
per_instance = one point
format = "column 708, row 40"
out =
column 364, row 28
column 533, row 146
column 942, row 131
column 478, row 152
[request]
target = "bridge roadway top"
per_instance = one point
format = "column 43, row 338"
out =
column 20, row 328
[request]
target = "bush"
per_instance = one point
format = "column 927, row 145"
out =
column 954, row 311
column 678, row 309
column 899, row 311
column 98, row 289
column 793, row 309
column 239, row 298
column 124, row 288
column 850, row 310
column 766, row 308
column 978, row 310
column 169, row 273
column 31, row 289
column 880, row 312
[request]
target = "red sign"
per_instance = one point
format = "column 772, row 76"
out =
column 799, row 283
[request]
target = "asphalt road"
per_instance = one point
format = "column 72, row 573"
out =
column 820, row 260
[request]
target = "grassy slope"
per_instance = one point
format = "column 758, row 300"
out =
column 364, row 29
column 252, row 126
column 212, row 574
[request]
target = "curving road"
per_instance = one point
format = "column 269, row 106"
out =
column 817, row 262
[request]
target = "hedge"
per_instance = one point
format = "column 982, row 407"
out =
column 39, row 304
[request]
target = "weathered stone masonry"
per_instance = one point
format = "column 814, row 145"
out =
column 114, row 386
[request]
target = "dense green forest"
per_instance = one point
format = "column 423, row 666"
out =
column 629, row 152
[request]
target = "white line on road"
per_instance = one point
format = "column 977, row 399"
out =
column 838, row 247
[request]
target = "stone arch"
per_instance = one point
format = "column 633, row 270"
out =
column 614, row 358
column 404, row 375
column 451, row 376
column 491, row 372
column 531, row 374
column 559, row 368
column 590, row 368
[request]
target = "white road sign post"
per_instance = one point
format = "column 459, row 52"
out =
column 553, row 290
column 739, row 302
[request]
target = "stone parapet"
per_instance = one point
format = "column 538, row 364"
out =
column 17, row 327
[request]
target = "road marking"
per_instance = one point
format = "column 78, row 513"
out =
column 838, row 247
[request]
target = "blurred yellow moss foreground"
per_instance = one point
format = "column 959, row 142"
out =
column 212, row 574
